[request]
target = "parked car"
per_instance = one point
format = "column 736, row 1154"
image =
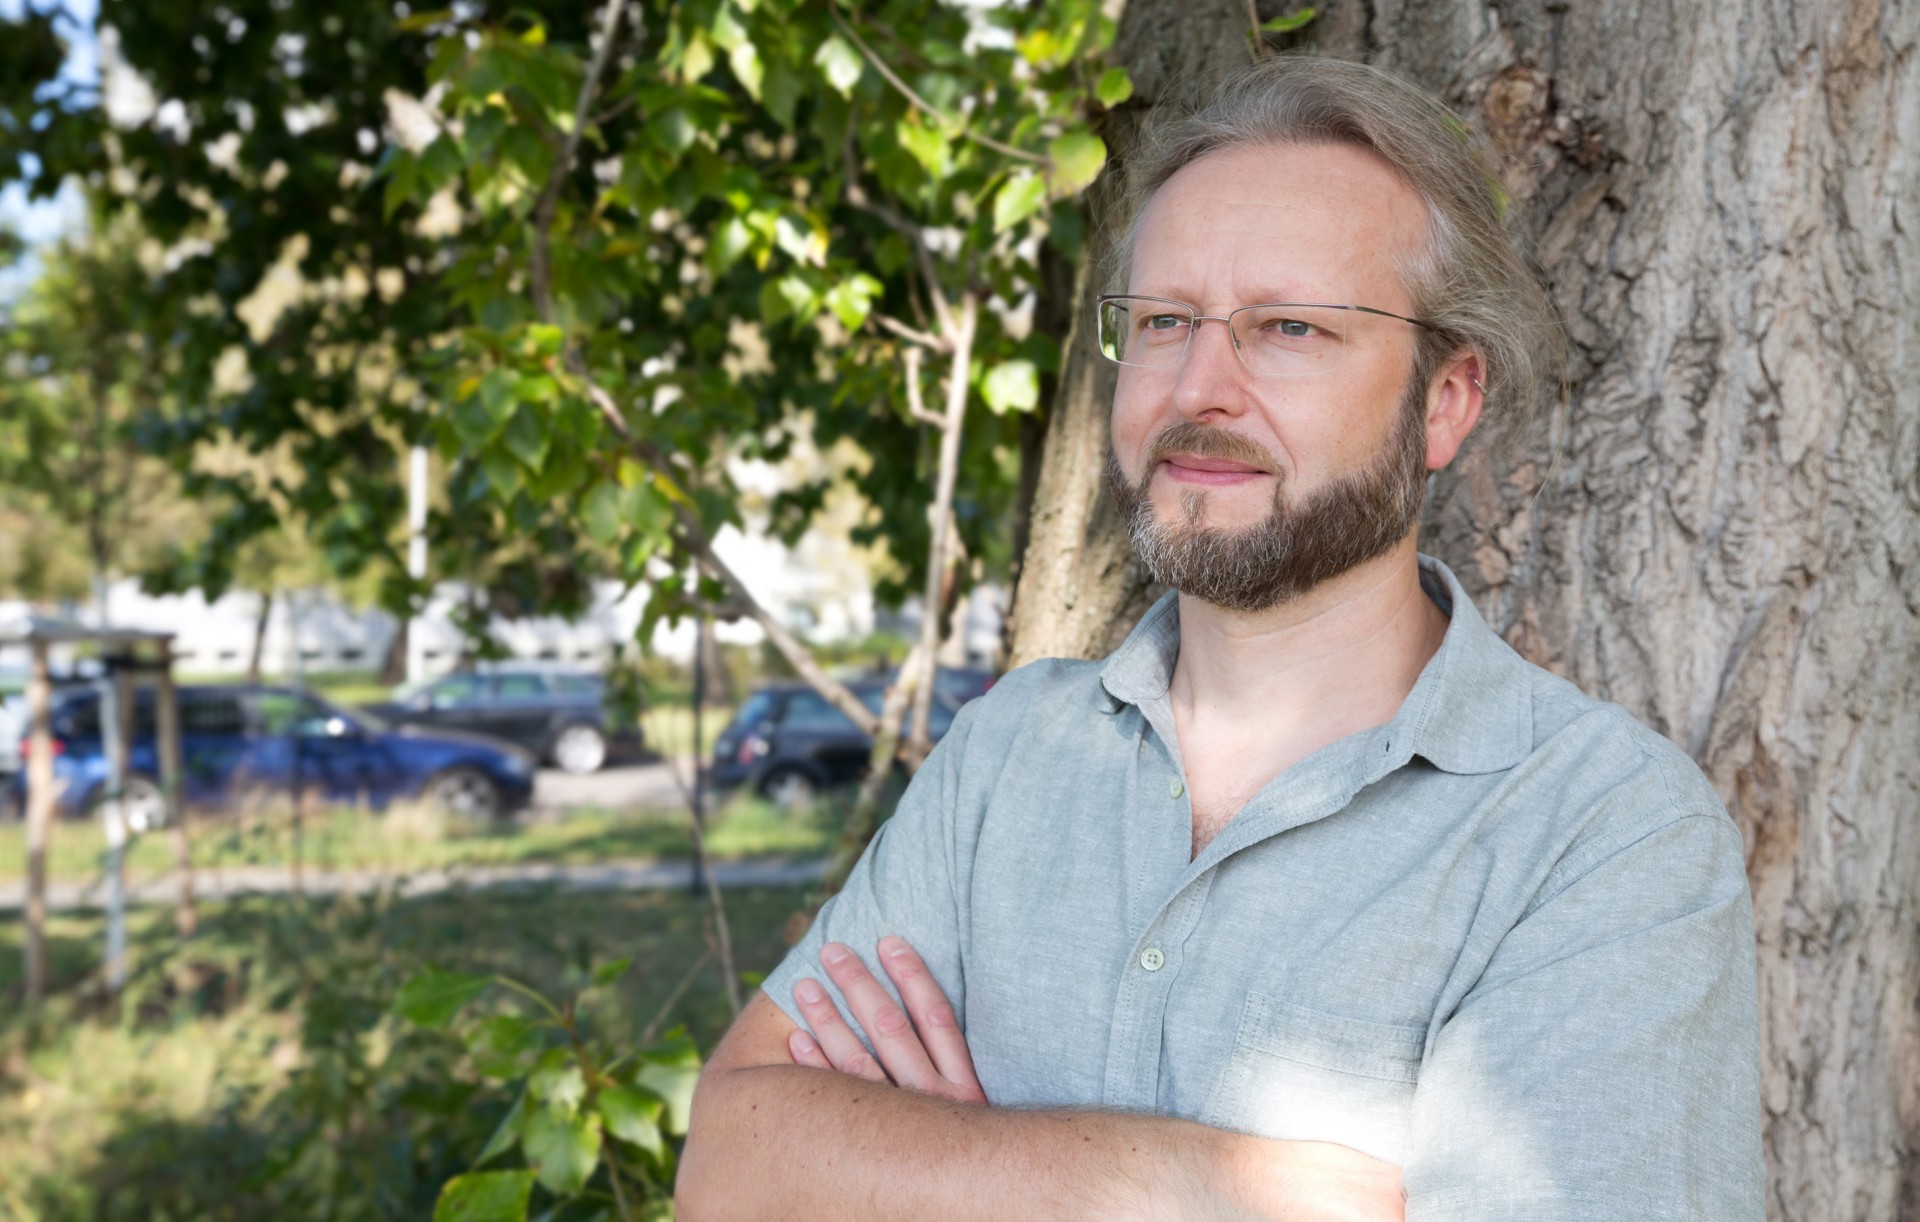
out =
column 238, row 740
column 13, row 719
column 558, row 715
column 16, row 719
column 787, row 743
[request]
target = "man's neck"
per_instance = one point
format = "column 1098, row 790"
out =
column 1254, row 692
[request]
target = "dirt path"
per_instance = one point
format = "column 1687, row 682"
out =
column 263, row 880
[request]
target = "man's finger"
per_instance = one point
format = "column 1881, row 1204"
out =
column 933, row 1018
column 806, row 1051
column 836, row 1040
column 887, row 1025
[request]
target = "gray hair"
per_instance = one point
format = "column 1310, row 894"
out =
column 1470, row 281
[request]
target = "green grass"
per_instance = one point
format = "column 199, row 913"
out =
column 411, row 838
column 257, row 1072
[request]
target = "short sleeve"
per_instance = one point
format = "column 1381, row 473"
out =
column 1606, row 1064
column 903, row 884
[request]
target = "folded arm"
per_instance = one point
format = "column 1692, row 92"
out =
column 833, row 1136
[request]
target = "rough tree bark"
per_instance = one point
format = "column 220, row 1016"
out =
column 1720, row 526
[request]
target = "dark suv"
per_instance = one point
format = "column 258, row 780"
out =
column 787, row 743
column 557, row 715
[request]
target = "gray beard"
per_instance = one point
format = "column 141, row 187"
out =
column 1295, row 547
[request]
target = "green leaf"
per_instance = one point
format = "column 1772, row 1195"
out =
column 499, row 1044
column 1114, row 88
column 841, row 63
column 401, row 175
column 1011, row 386
column 1290, row 22
column 697, row 60
column 929, row 146
column 799, row 238
column 673, row 1083
column 633, row 1116
column 507, row 1132
column 1076, row 158
column 526, row 437
column 498, row 396
column 558, row 1083
column 473, row 424
column 730, row 241
column 1041, row 48
column 1020, row 197
column 607, row 973
column 485, row 1196
column 420, row 21
column 781, row 91
column 672, row 130
column 433, row 997
column 545, row 339
column 795, row 297
column 725, row 29
column 504, row 475
column 851, row 300
column 563, row 1149
column 439, row 164
column 601, row 513
column 747, row 69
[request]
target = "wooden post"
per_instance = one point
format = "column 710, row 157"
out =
column 39, row 817
column 117, row 713
column 166, row 709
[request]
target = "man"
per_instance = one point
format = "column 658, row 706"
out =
column 1313, row 900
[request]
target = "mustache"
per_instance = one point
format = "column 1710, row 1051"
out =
column 1203, row 441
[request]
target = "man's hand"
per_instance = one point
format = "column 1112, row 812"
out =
column 925, row 1052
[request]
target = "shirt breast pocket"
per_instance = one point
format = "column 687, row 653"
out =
column 1306, row 1075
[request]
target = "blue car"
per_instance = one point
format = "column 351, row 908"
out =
column 240, row 741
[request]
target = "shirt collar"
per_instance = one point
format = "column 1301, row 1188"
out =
column 1471, row 710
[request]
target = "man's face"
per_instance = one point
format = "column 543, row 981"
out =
column 1246, row 491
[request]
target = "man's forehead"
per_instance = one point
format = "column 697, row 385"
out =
column 1279, row 219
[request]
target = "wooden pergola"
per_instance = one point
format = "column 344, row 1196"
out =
column 120, row 651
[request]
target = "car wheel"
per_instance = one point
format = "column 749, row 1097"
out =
column 465, row 792
column 142, row 805
column 580, row 749
column 790, row 790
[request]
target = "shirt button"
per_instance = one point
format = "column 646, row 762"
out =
column 1152, row 959
column 1175, row 788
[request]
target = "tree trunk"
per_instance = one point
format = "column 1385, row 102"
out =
column 714, row 663
column 260, row 622
column 1718, row 527
column 393, row 665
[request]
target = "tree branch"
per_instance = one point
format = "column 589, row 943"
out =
column 694, row 536
column 924, row 106
column 938, row 552
column 916, row 406
column 912, row 335
column 915, row 236
column 539, row 263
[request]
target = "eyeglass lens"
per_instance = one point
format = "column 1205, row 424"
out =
column 1283, row 341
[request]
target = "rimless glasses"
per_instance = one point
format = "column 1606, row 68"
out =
column 1278, row 340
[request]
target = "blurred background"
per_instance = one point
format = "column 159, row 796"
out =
column 492, row 490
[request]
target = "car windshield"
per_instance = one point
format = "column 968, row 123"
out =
column 303, row 714
column 755, row 710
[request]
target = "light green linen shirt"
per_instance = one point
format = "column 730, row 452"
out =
column 1504, row 940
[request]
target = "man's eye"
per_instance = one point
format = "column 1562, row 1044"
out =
column 1291, row 328
column 1162, row 324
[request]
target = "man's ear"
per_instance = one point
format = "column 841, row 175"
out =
column 1453, row 406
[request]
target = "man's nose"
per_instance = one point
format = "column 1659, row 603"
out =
column 1212, row 380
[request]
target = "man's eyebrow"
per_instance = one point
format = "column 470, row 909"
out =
column 1265, row 296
